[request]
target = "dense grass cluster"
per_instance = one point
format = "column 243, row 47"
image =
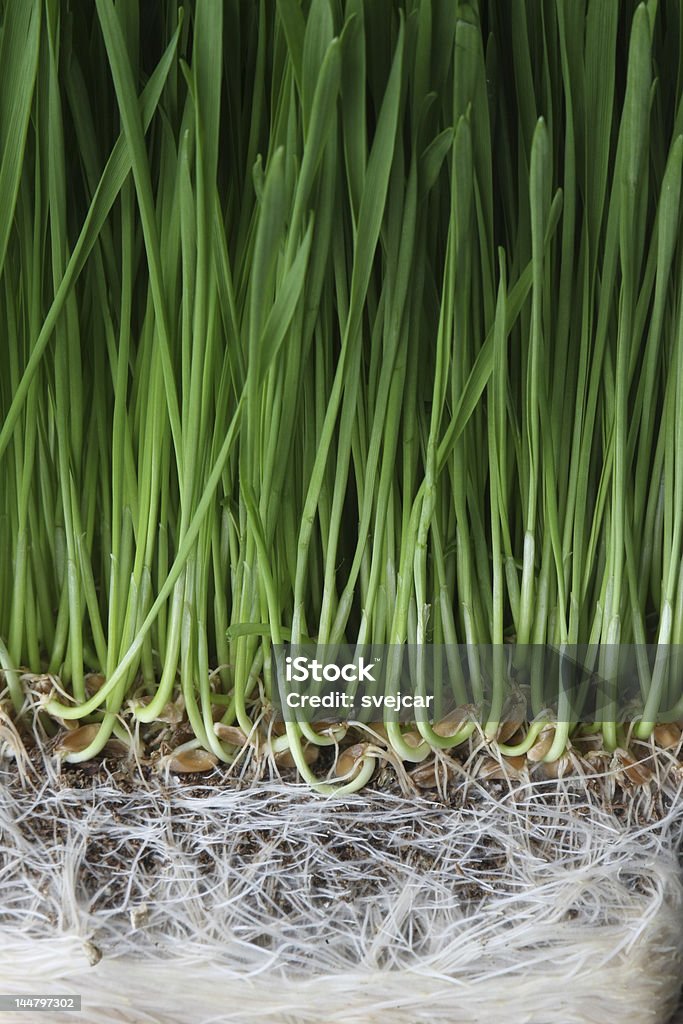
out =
column 337, row 320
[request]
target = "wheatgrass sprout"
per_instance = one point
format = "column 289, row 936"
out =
column 341, row 323
column 352, row 327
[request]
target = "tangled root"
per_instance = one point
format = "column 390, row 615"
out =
column 223, row 900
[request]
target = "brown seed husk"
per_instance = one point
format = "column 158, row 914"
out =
column 197, row 760
column 667, row 736
column 555, row 769
column 116, row 746
column 513, row 718
column 427, row 774
column 379, row 730
column 593, row 742
column 172, row 713
column 277, row 728
column 490, row 768
column 516, row 761
column 513, row 740
column 424, row 776
column 76, row 740
column 230, row 734
column 94, row 682
column 453, row 721
column 508, row 729
column 350, row 760
column 542, row 744
column 636, row 772
column 285, row 758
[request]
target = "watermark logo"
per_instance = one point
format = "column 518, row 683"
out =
column 411, row 683
column 300, row 670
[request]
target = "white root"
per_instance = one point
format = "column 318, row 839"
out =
column 226, row 901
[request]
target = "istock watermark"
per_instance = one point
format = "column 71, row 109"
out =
column 301, row 669
column 409, row 683
column 319, row 682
